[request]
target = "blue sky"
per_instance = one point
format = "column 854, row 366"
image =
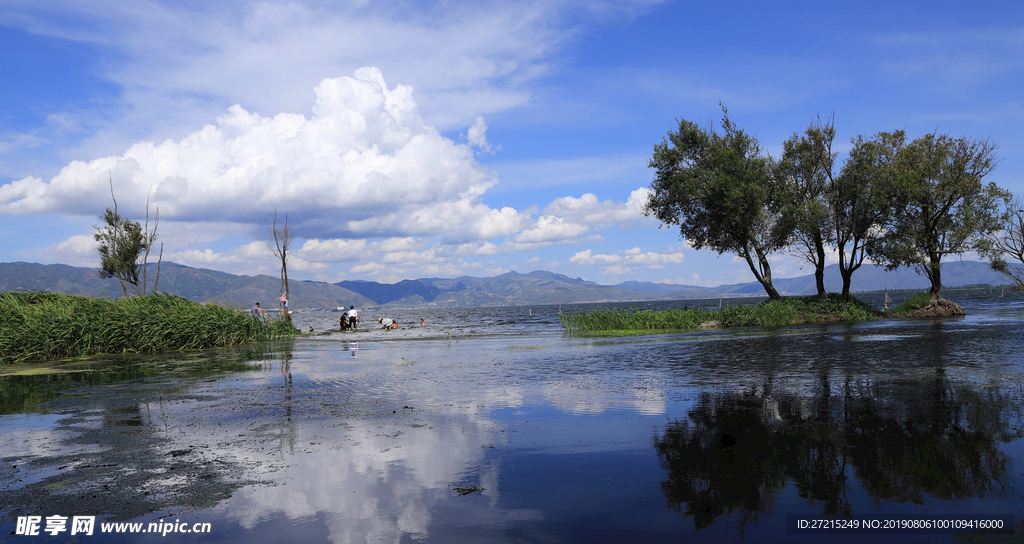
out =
column 419, row 139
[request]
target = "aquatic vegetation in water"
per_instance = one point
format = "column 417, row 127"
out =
column 773, row 313
column 923, row 306
column 36, row 326
column 467, row 489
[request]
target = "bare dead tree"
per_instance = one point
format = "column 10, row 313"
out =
column 282, row 240
column 150, row 239
column 1009, row 241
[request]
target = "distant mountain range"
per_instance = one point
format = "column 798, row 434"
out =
column 198, row 284
column 509, row 289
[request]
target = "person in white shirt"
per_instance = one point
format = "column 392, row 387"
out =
column 352, row 317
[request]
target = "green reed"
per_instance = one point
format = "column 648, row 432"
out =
column 773, row 313
column 35, row 326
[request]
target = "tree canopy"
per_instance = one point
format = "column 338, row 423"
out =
column 124, row 248
column 806, row 169
column 859, row 200
column 722, row 192
column 893, row 202
column 940, row 205
column 121, row 242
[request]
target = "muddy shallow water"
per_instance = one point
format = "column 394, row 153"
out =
column 492, row 426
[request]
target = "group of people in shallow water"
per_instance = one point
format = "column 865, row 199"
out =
column 349, row 321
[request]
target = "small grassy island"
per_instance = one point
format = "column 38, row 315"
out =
column 772, row 313
column 38, row 326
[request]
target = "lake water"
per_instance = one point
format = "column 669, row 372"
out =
column 491, row 425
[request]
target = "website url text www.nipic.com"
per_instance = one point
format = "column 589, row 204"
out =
column 86, row 525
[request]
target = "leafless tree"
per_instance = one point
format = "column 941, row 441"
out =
column 150, row 240
column 1009, row 241
column 282, row 239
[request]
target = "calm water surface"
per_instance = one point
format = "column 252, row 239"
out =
column 490, row 425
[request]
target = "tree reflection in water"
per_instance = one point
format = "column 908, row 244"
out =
column 900, row 440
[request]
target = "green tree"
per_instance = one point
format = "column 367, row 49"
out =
column 722, row 192
column 806, row 168
column 940, row 204
column 124, row 248
column 858, row 200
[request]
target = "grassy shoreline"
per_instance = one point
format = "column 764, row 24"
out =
column 38, row 326
column 772, row 313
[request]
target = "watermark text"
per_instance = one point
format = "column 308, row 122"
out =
column 86, row 525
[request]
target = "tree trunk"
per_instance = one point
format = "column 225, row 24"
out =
column 282, row 241
column 849, row 264
column 847, row 274
column 819, row 267
column 762, row 272
column 770, row 289
column 284, row 284
column 936, row 277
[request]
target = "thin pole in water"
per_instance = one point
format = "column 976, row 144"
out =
column 531, row 313
column 720, row 303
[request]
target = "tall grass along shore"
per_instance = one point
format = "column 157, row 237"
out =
column 37, row 326
column 773, row 313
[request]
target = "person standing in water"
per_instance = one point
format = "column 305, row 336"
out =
column 353, row 317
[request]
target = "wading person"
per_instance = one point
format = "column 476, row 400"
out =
column 353, row 317
column 256, row 311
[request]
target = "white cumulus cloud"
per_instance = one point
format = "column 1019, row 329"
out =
column 78, row 250
column 630, row 260
column 549, row 228
column 587, row 257
column 589, row 210
column 477, row 135
column 364, row 164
